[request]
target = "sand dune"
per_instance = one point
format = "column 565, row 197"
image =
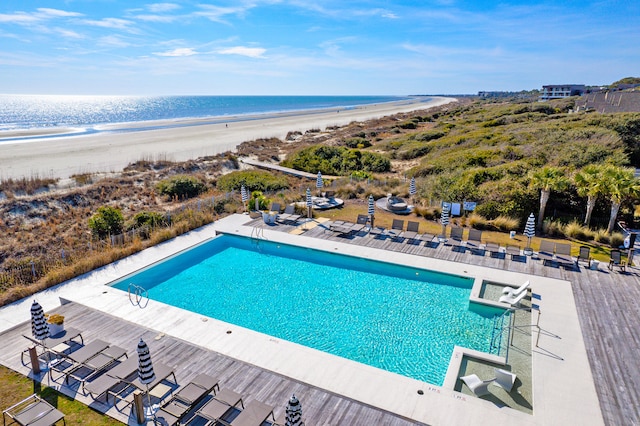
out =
column 117, row 145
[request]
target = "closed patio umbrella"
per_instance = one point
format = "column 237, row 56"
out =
column 293, row 416
column 444, row 218
column 309, row 204
column 530, row 231
column 412, row 187
column 145, row 368
column 39, row 326
column 371, row 211
column 245, row 196
column 319, row 182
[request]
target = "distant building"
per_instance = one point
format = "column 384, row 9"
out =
column 559, row 91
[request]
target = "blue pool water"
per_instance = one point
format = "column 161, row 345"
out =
column 392, row 317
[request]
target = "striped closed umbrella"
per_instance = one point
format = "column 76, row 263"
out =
column 444, row 218
column 39, row 326
column 319, row 182
column 309, row 203
column 145, row 367
column 530, row 229
column 293, row 413
column 244, row 195
column 371, row 210
column 412, row 187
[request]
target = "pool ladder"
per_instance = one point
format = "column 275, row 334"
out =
column 257, row 234
column 138, row 295
column 498, row 330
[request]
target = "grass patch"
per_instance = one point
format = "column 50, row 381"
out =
column 15, row 387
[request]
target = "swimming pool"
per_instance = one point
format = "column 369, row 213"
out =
column 400, row 319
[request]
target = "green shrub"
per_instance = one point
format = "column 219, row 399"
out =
column 616, row 239
column 253, row 180
column 336, row 160
column 357, row 143
column 181, row 186
column 553, row 228
column 408, row 125
column 478, row 222
column 504, row 223
column 106, row 221
column 601, row 236
column 577, row 231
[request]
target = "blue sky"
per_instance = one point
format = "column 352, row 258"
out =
column 315, row 47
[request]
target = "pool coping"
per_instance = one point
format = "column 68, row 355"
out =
column 563, row 393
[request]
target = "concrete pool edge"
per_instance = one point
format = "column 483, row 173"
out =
column 563, row 393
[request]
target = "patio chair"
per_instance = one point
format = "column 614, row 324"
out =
column 505, row 379
column 512, row 250
column 33, row 411
column 616, row 260
column 474, row 240
column 546, row 251
column 412, row 231
column 584, row 255
column 275, row 207
column 68, row 363
column 455, row 236
column 493, row 248
column 397, row 227
column 477, row 386
column 155, row 388
column 116, row 375
column 377, row 231
column 428, row 238
column 222, row 403
column 513, row 300
column 254, row 414
column 65, row 338
column 516, row 291
column 289, row 215
column 187, row 397
column 563, row 254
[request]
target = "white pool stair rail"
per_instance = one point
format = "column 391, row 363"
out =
column 138, row 296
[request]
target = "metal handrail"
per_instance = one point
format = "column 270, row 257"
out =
column 139, row 293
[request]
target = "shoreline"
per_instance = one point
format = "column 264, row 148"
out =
column 115, row 146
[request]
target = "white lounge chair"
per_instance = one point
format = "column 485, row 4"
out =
column 516, row 291
column 513, row 300
column 505, row 379
column 477, row 386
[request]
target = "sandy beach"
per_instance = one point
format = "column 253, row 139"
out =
column 116, row 146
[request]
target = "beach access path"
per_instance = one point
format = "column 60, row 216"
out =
column 114, row 146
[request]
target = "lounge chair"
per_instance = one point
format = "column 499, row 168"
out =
column 66, row 337
column 477, row 386
column 516, row 291
column 546, row 251
column 68, row 363
column 187, row 397
column 512, row 250
column 254, row 414
column 616, row 260
column 428, row 238
column 584, row 255
column 397, row 227
column 455, row 237
column 219, row 406
column 492, row 247
column 563, row 254
column 289, row 214
column 275, row 207
column 162, row 373
column 513, row 300
column 33, row 411
column 505, row 379
column 412, row 231
column 102, row 384
column 474, row 240
column 377, row 231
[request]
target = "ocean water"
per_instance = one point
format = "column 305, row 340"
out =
column 20, row 112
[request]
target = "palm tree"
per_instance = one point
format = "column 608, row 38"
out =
column 620, row 184
column 546, row 180
column 590, row 183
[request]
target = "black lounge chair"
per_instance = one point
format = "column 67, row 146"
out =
column 162, row 373
column 222, row 403
column 397, row 227
column 289, row 215
column 546, row 251
column 584, row 255
column 106, row 382
column 494, row 248
column 66, row 337
column 33, row 411
column 187, row 397
column 69, row 363
column 412, row 231
column 563, row 254
column 616, row 260
column 254, row 414
column 474, row 240
column 455, row 236
column 512, row 250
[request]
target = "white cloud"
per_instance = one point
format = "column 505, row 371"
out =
column 182, row 51
column 18, row 18
column 157, row 18
column 113, row 41
column 163, row 7
column 47, row 12
column 68, row 33
column 114, row 23
column 252, row 52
